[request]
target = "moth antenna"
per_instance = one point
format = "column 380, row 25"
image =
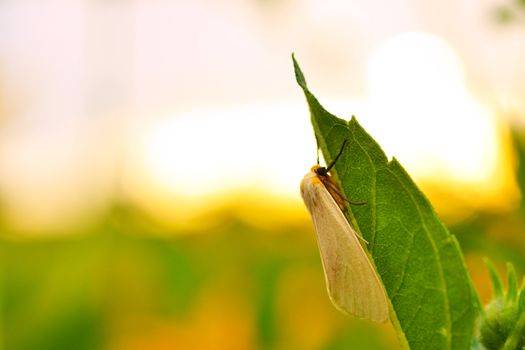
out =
column 317, row 148
column 330, row 166
column 328, row 184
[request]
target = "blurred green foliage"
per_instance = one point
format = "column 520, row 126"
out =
column 510, row 12
column 117, row 286
column 501, row 236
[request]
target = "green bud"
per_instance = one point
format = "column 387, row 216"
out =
column 502, row 324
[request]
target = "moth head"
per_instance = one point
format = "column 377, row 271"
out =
column 320, row 170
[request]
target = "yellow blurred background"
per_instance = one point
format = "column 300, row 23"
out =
column 151, row 152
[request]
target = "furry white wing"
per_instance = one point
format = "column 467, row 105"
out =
column 352, row 282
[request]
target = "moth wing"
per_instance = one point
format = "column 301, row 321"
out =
column 351, row 279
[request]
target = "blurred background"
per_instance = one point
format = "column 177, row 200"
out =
column 151, row 153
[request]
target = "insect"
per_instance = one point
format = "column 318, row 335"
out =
column 352, row 282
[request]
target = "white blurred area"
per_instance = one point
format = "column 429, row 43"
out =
column 169, row 104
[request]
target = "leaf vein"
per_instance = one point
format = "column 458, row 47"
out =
column 436, row 255
column 405, row 263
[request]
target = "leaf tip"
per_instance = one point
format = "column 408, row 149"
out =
column 497, row 285
column 521, row 297
column 395, row 164
column 299, row 76
column 512, row 285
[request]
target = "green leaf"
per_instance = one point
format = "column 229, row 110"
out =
column 521, row 297
column 497, row 285
column 519, row 148
column 419, row 261
column 512, row 289
column 515, row 340
column 502, row 325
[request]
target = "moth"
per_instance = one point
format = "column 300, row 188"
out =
column 352, row 282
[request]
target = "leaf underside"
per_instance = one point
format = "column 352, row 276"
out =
column 419, row 261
